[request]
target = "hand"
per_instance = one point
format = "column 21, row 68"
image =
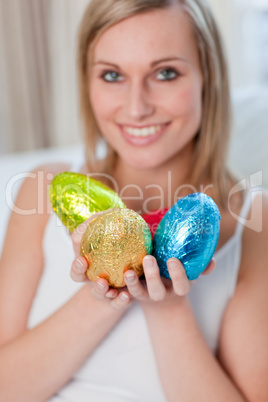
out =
column 99, row 289
column 157, row 288
column 153, row 289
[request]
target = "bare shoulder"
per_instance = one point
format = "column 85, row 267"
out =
column 32, row 206
column 21, row 262
column 243, row 339
column 254, row 249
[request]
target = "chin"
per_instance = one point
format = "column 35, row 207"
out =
column 142, row 163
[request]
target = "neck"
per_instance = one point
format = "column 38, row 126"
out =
column 154, row 188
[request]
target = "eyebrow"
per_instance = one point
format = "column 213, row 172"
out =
column 154, row 63
column 168, row 59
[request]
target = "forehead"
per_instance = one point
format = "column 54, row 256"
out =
column 148, row 36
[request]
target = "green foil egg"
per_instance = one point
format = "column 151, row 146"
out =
column 75, row 197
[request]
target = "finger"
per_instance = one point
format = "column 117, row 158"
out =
column 112, row 293
column 210, row 267
column 134, row 285
column 180, row 282
column 78, row 269
column 121, row 301
column 155, row 286
column 77, row 234
column 100, row 288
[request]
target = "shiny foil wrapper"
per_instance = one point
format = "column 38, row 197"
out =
column 75, row 197
column 153, row 219
column 113, row 242
column 189, row 231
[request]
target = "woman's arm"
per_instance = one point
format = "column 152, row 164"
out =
column 187, row 368
column 35, row 363
column 40, row 361
column 243, row 348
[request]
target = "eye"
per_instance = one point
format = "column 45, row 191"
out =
column 112, row 76
column 167, row 74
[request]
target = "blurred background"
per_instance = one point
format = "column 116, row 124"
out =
column 38, row 91
column 39, row 118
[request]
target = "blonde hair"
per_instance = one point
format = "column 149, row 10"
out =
column 212, row 139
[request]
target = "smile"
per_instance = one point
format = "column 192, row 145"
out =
column 143, row 132
column 143, row 136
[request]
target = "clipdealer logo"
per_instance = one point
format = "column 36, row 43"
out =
column 254, row 186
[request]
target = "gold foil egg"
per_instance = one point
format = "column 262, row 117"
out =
column 113, row 242
column 75, row 197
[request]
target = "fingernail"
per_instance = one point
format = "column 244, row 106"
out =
column 100, row 286
column 79, row 265
column 173, row 264
column 110, row 294
column 123, row 296
column 149, row 263
column 75, row 237
column 130, row 276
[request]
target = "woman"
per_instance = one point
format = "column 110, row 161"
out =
column 153, row 83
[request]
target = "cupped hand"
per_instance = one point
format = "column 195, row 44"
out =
column 99, row 289
column 80, row 265
column 156, row 288
column 153, row 289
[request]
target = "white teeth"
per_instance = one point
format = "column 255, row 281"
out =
column 142, row 132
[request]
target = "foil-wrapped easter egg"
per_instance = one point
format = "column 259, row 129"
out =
column 189, row 231
column 153, row 219
column 113, row 242
column 75, row 197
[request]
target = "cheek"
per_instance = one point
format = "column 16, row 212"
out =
column 187, row 100
column 102, row 102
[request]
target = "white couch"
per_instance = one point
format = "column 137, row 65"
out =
column 248, row 150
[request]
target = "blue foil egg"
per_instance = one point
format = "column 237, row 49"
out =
column 189, row 231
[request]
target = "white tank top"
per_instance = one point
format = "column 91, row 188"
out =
column 123, row 368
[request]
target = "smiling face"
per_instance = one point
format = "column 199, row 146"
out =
column 145, row 87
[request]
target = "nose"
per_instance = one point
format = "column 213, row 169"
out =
column 139, row 104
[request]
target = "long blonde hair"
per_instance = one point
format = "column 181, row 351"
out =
column 212, row 139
